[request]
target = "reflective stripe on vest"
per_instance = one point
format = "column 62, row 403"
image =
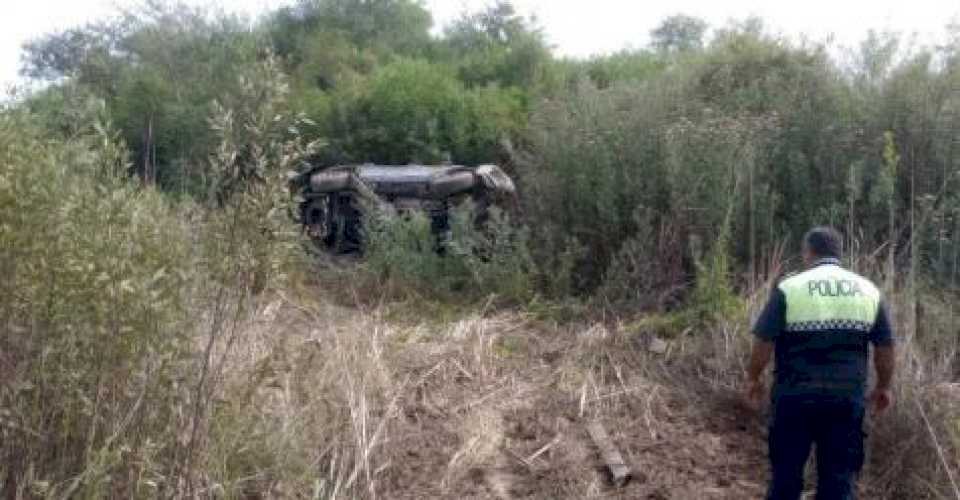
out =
column 829, row 297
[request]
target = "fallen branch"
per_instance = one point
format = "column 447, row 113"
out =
column 619, row 472
column 544, row 449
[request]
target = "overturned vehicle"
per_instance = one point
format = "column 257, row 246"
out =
column 335, row 199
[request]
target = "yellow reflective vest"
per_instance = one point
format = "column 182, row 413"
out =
column 829, row 297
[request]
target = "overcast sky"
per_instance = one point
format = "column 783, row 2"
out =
column 574, row 27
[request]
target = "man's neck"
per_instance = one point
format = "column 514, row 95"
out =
column 825, row 261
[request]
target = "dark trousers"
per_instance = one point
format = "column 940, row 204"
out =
column 835, row 425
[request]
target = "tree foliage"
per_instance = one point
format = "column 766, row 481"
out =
column 592, row 141
column 679, row 33
column 497, row 46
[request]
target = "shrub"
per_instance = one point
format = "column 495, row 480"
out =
column 403, row 251
column 259, row 146
column 638, row 174
column 592, row 164
column 494, row 256
column 914, row 453
column 713, row 297
column 94, row 286
column 645, row 271
column 107, row 290
column 409, row 111
column 472, row 261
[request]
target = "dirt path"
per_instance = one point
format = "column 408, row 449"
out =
column 502, row 409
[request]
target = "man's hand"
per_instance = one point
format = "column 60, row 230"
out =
column 756, row 389
column 881, row 400
column 754, row 393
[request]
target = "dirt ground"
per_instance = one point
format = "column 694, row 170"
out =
column 497, row 407
column 516, row 427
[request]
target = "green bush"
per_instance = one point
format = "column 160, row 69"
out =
column 403, row 255
column 94, row 286
column 409, row 111
column 644, row 272
column 714, row 298
column 403, row 250
column 415, row 111
column 599, row 156
column 594, row 160
column 494, row 258
column 107, row 290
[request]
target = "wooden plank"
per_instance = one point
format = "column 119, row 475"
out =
column 544, row 448
column 620, row 474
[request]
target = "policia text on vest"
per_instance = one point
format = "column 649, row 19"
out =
column 838, row 288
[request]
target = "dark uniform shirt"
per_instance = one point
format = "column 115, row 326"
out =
column 833, row 359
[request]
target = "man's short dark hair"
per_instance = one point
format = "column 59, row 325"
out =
column 824, row 241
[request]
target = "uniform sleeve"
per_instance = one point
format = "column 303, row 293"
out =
column 773, row 319
column 882, row 332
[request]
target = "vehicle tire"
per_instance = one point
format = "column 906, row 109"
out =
column 316, row 218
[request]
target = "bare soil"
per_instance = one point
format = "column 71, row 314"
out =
column 496, row 406
column 518, row 428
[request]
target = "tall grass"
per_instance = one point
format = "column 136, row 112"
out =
column 914, row 449
column 119, row 309
column 95, row 288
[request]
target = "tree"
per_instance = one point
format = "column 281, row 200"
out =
column 875, row 58
column 679, row 33
column 497, row 45
column 410, row 110
column 386, row 26
column 157, row 72
column 885, row 194
column 85, row 54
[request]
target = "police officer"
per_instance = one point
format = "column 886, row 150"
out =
column 819, row 326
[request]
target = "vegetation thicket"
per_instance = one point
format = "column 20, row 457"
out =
column 145, row 229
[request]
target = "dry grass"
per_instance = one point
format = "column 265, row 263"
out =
column 914, row 451
column 323, row 401
column 327, row 401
